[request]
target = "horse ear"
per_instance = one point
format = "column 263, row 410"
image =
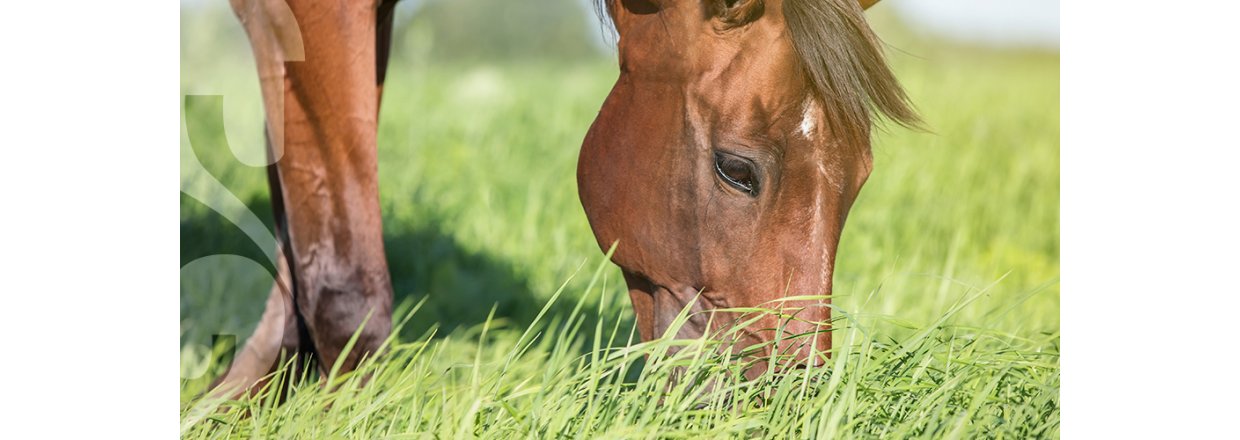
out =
column 733, row 13
column 865, row 4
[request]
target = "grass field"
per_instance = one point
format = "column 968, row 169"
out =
column 947, row 278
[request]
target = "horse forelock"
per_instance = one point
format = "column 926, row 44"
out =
column 845, row 65
column 840, row 56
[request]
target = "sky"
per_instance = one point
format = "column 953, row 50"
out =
column 1030, row 23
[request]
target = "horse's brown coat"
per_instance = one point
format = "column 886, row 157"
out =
column 324, row 186
column 698, row 79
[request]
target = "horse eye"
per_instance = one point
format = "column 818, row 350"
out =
column 737, row 172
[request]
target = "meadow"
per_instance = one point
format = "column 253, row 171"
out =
column 946, row 284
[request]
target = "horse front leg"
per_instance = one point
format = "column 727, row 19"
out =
column 318, row 69
column 329, row 178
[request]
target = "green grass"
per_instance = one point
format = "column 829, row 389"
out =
column 947, row 279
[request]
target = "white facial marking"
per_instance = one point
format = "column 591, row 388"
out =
column 818, row 234
column 808, row 116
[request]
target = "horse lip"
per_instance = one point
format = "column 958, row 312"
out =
column 709, row 300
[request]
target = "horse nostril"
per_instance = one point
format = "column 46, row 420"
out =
column 814, row 361
column 804, row 359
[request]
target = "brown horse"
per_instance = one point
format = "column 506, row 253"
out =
column 723, row 162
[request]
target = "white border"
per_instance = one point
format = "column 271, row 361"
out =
column 1150, row 230
column 89, row 176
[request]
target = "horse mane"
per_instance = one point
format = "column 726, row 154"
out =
column 838, row 53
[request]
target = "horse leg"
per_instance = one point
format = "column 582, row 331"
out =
column 274, row 38
column 277, row 334
column 329, row 178
column 322, row 121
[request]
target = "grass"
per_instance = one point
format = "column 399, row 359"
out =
column 947, row 288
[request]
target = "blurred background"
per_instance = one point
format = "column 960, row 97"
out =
column 485, row 107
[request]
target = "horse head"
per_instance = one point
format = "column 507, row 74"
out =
column 727, row 156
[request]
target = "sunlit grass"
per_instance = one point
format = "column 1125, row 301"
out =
column 947, row 293
column 493, row 380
